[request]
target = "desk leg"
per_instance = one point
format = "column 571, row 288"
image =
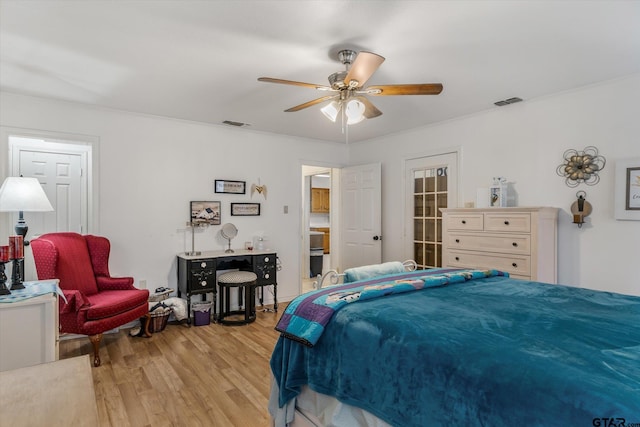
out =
column 275, row 297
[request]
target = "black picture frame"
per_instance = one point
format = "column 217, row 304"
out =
column 632, row 193
column 205, row 212
column 245, row 209
column 230, row 187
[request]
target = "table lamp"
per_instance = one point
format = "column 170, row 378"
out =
column 20, row 194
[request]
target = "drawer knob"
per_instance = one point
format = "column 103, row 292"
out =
column 515, row 245
column 203, row 283
column 457, row 240
column 203, row 264
column 266, row 259
column 506, row 223
column 514, row 265
column 457, row 258
column 266, row 276
column 464, row 222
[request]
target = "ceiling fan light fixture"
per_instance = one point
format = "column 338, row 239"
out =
column 354, row 111
column 331, row 110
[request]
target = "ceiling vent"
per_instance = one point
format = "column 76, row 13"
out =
column 508, row 101
column 236, row 124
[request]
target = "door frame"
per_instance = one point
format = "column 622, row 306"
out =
column 407, row 186
column 86, row 145
column 305, row 208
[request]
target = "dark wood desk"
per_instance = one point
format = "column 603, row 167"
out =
column 197, row 273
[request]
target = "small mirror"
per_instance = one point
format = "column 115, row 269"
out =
column 229, row 231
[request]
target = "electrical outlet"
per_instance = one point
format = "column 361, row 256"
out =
column 286, row 209
column 143, row 284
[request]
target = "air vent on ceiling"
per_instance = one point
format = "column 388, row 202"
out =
column 237, row 124
column 508, row 101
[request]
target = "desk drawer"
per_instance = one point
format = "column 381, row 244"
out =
column 265, row 268
column 510, row 244
column 513, row 264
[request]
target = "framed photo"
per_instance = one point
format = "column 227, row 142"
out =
column 633, row 189
column 627, row 189
column 245, row 209
column 232, row 187
column 205, row 213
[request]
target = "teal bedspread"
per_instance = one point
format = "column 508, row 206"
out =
column 492, row 352
column 306, row 316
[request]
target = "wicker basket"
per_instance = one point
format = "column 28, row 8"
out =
column 159, row 319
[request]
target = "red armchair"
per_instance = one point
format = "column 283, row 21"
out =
column 96, row 302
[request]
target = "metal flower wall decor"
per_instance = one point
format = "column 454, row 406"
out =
column 581, row 166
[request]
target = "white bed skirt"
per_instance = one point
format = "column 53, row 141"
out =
column 311, row 409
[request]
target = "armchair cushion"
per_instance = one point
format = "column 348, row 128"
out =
column 112, row 303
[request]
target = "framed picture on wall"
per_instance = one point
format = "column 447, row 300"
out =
column 627, row 189
column 245, row 209
column 205, row 213
column 231, row 187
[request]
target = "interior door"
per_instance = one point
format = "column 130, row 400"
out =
column 62, row 169
column 361, row 219
column 60, row 176
column 431, row 183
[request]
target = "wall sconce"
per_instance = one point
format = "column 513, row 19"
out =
column 580, row 208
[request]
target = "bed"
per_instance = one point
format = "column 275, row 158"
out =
column 457, row 347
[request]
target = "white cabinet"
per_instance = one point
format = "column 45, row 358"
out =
column 28, row 332
column 520, row 241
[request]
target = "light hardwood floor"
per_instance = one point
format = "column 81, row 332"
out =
column 210, row 375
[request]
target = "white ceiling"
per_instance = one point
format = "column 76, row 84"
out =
column 200, row 60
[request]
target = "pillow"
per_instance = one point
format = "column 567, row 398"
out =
column 374, row 270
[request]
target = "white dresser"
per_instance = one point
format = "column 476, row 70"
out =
column 520, row 241
column 28, row 329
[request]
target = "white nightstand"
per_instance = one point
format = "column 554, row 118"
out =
column 29, row 327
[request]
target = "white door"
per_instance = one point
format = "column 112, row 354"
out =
column 431, row 183
column 361, row 219
column 61, row 179
column 62, row 169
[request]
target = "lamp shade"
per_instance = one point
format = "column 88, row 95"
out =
column 355, row 112
column 23, row 194
column 331, row 110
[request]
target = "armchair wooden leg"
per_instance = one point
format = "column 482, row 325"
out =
column 95, row 340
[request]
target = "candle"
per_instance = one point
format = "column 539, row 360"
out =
column 17, row 246
column 577, row 219
column 4, row 253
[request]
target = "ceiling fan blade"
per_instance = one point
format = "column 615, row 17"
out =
column 311, row 103
column 362, row 69
column 409, row 89
column 294, row 83
column 370, row 110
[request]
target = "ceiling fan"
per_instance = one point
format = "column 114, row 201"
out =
column 348, row 94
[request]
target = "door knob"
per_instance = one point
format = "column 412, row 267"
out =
column 377, row 238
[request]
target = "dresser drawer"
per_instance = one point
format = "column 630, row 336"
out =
column 473, row 222
column 513, row 264
column 510, row 244
column 507, row 222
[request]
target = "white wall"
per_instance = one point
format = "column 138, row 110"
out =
column 150, row 164
column 525, row 143
column 151, row 167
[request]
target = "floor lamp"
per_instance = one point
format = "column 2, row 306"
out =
column 20, row 194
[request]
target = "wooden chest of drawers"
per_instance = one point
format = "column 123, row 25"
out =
column 521, row 241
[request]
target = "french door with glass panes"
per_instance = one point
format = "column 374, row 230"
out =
column 431, row 185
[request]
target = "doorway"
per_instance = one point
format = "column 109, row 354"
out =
column 319, row 209
column 431, row 184
column 65, row 171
